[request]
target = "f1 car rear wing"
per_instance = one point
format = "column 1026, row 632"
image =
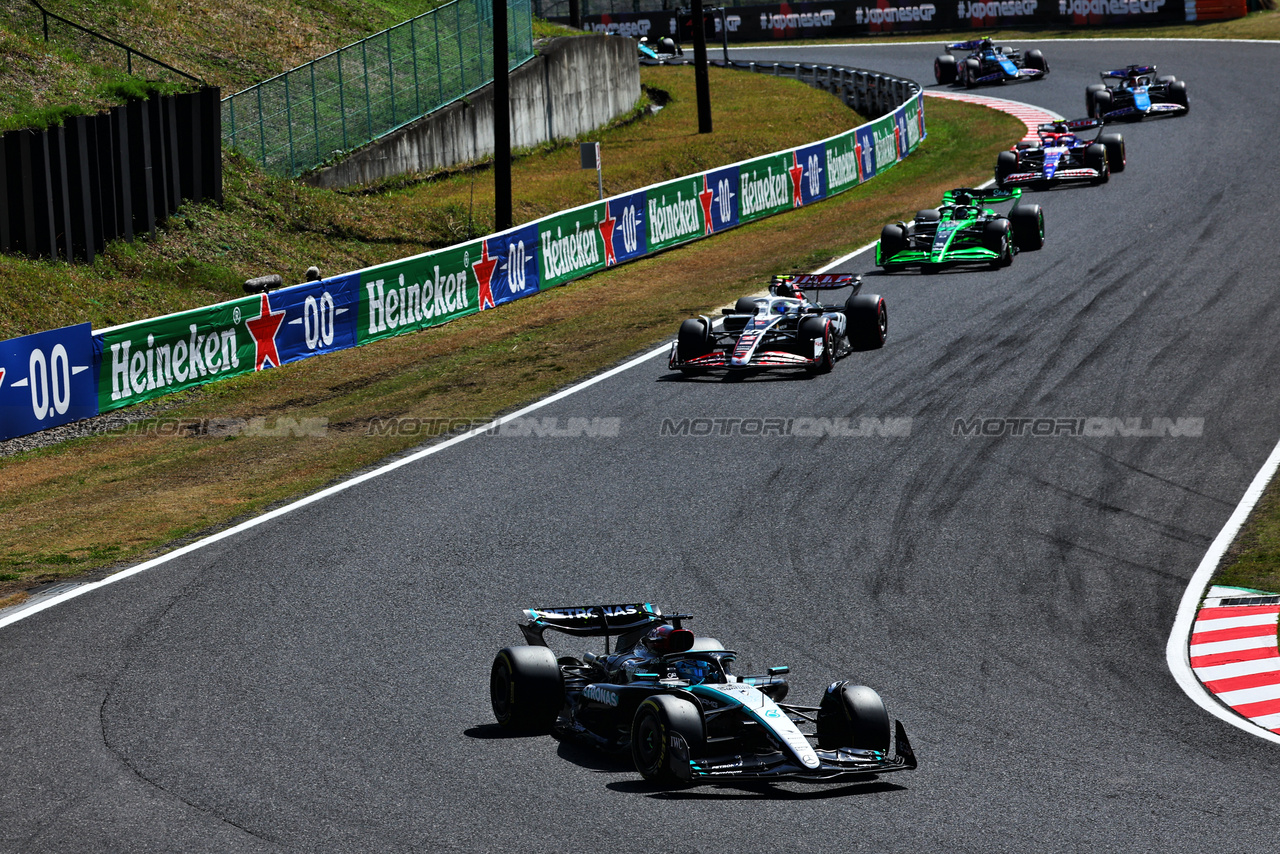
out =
column 1128, row 72
column 819, row 281
column 969, row 45
column 1069, row 126
column 593, row 620
column 969, row 196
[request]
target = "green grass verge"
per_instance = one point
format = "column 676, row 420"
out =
column 102, row 501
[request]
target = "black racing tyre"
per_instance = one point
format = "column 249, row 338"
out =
column 1101, row 104
column 1095, row 157
column 1178, row 94
column 893, row 239
column 996, row 237
column 1035, row 59
column 1089, row 93
column 944, row 69
column 853, row 716
column 1006, row 165
column 928, row 215
column 866, row 321
column 745, row 305
column 1028, row 227
column 1116, row 157
column 812, row 329
column 693, row 340
column 526, row 689
column 657, row 719
column 972, row 71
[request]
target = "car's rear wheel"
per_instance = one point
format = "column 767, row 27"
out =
column 1114, row 144
column 1006, row 165
column 928, row 215
column 526, row 689
column 853, row 716
column 1095, row 157
column 663, row 724
column 866, row 321
column 1028, row 227
column 745, row 305
column 944, row 69
column 893, row 239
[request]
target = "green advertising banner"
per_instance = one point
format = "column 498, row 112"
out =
column 842, row 163
column 886, row 142
column 913, row 120
column 764, row 186
column 674, row 213
column 422, row 291
column 571, row 245
column 150, row 358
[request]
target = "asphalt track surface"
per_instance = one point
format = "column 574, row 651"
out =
column 319, row 683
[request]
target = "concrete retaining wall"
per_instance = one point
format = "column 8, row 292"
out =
column 572, row 86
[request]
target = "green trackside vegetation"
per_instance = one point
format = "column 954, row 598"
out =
column 87, row 505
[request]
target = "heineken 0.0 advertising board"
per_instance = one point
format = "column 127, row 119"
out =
column 572, row 245
column 423, row 291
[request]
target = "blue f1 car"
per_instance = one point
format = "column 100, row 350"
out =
column 670, row 698
column 1136, row 92
column 988, row 63
column 1061, row 155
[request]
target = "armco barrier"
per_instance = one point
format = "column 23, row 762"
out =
column 52, row 378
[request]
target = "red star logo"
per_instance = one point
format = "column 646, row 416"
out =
column 606, row 232
column 705, row 198
column 857, row 154
column 484, row 276
column 797, row 171
column 263, row 328
column 1, row 376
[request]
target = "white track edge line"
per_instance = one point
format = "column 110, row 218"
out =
column 1177, row 650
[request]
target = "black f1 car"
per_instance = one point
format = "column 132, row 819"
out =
column 672, row 700
column 1061, row 156
column 784, row 329
column 1135, row 92
column 988, row 63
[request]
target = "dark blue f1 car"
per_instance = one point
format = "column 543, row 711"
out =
column 672, row 700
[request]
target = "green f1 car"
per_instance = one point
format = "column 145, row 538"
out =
column 960, row 231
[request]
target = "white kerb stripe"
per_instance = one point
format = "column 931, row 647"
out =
column 1250, row 695
column 1238, row 668
column 1268, row 721
column 1198, row 649
column 1218, row 623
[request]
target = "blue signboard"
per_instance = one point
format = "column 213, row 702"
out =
column 812, row 160
column 47, row 379
column 722, row 185
column 319, row 317
column 629, row 232
column 516, row 275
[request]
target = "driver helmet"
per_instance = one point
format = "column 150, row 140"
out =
column 693, row 670
column 664, row 640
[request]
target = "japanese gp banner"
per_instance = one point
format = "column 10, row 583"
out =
column 426, row 290
column 46, row 380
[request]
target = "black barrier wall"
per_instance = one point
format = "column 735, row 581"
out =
column 69, row 189
column 756, row 23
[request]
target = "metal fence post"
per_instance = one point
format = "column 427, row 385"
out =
column 342, row 102
column 413, row 48
column 391, row 81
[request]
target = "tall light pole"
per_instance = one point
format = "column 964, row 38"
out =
column 501, row 120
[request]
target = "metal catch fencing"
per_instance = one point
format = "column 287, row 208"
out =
column 312, row 114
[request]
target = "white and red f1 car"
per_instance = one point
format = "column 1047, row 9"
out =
column 784, row 329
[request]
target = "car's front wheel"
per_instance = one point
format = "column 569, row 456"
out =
column 1114, row 144
column 526, row 689
column 853, row 716
column 1095, row 157
column 664, row 728
column 693, row 340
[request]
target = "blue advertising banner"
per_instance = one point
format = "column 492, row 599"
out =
column 319, row 317
column 866, row 148
column 516, row 274
column 721, row 205
column 812, row 161
column 46, row 380
column 627, row 231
